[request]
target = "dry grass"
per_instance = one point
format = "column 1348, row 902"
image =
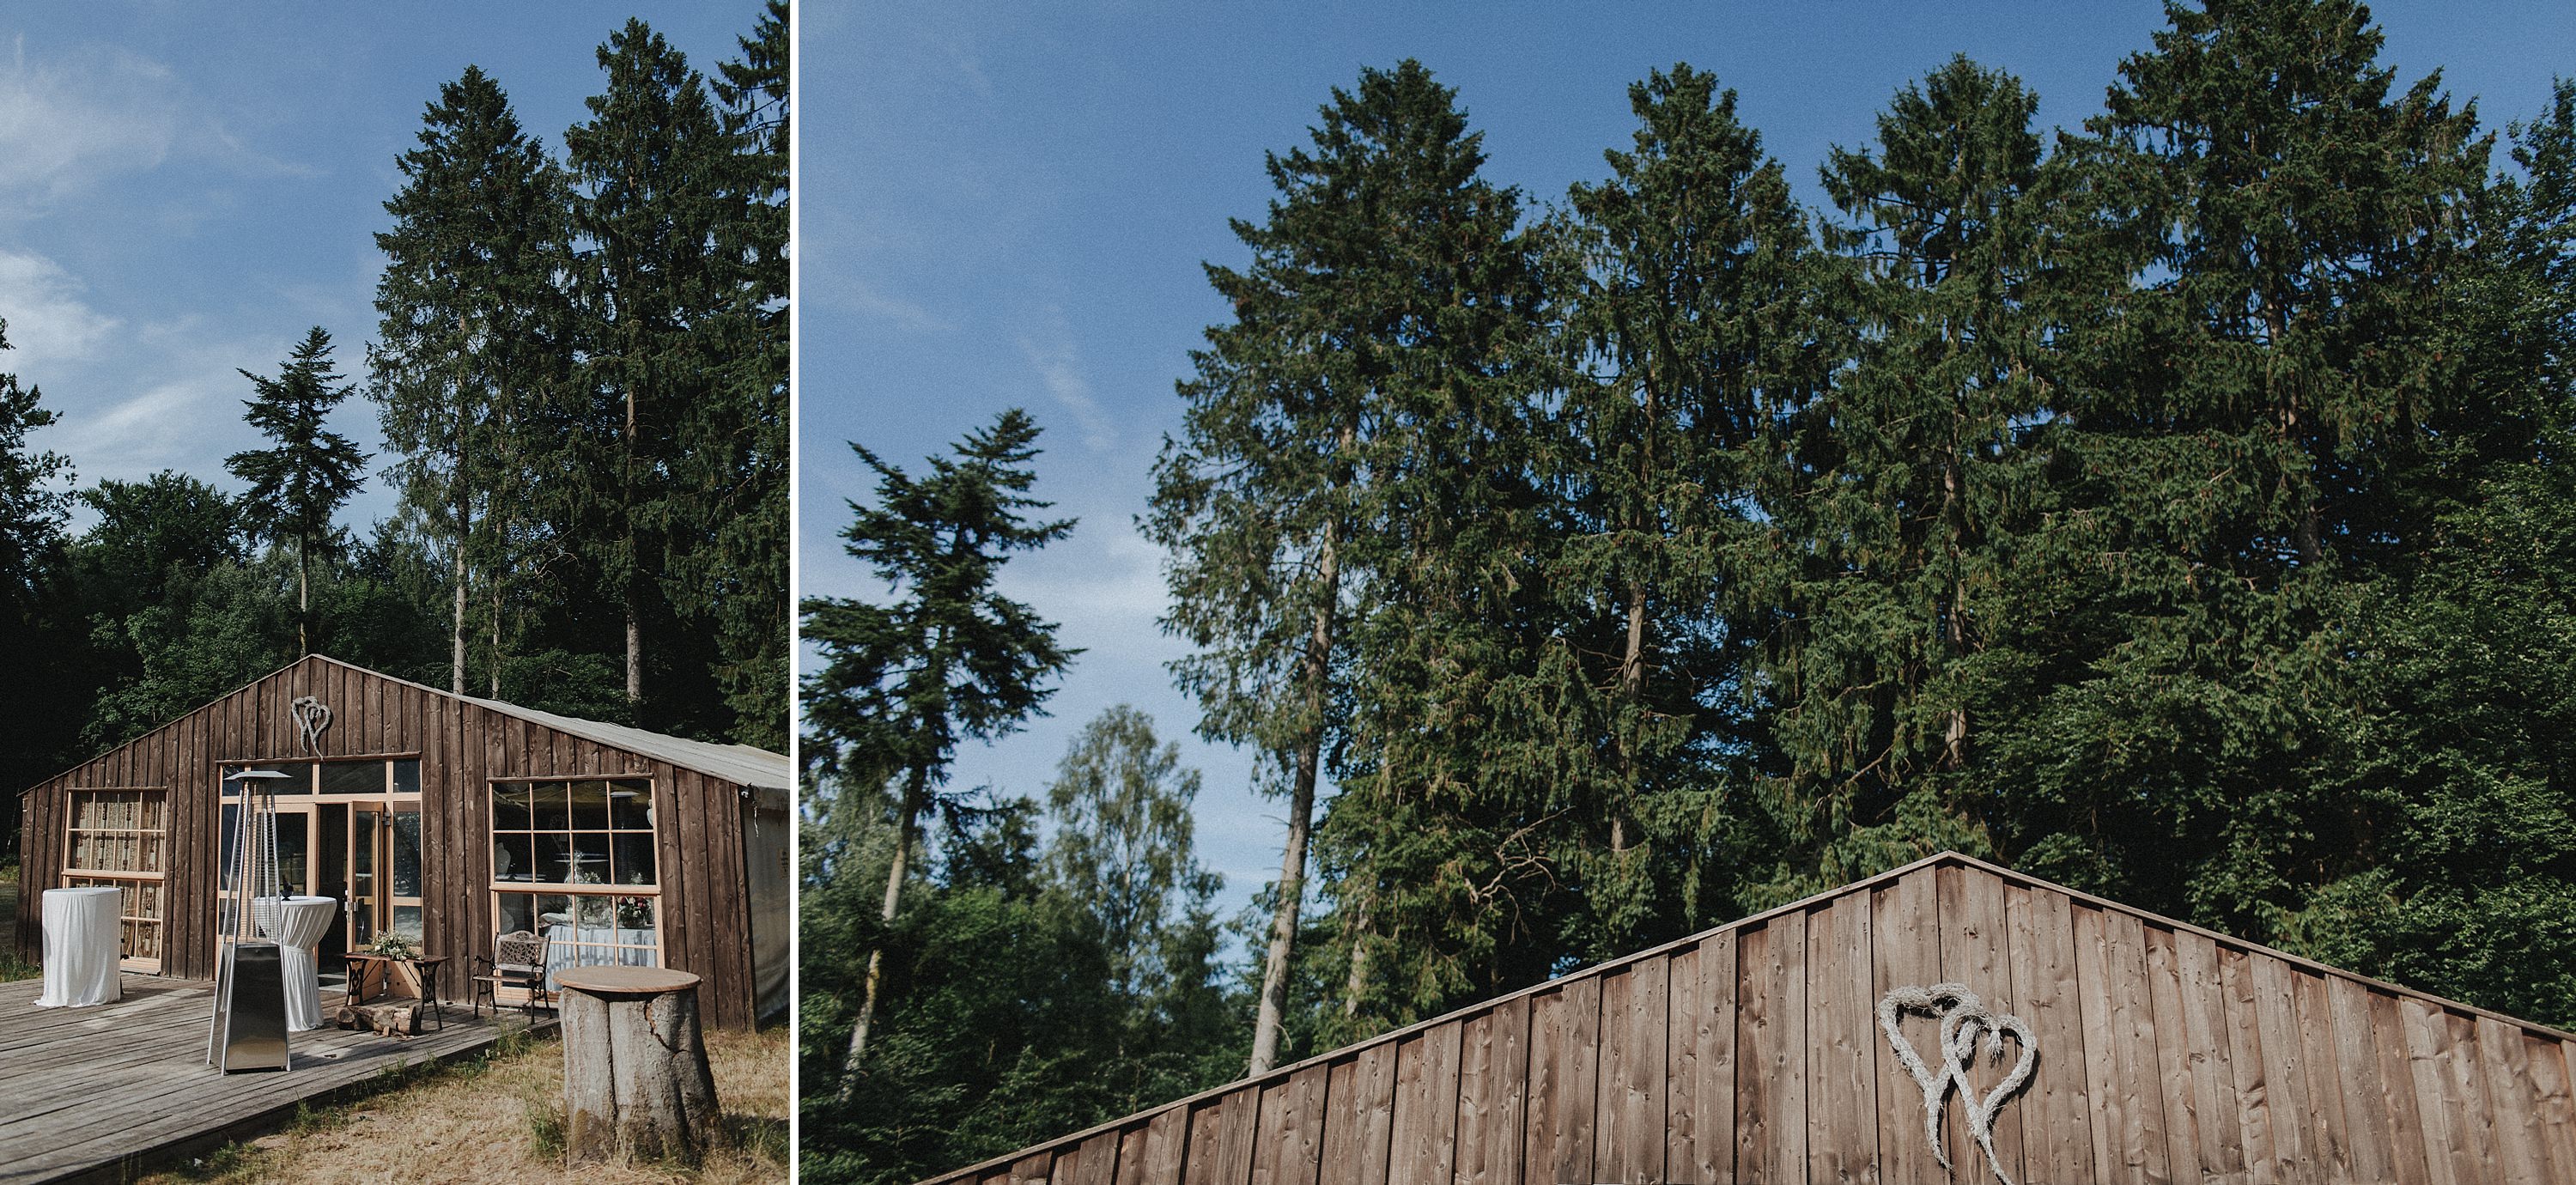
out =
column 499, row 1119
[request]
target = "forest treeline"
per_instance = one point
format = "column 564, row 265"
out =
column 580, row 371
column 2176, row 507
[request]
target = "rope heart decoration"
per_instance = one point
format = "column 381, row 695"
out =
column 1963, row 1018
column 311, row 717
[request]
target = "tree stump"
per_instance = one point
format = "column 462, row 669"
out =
column 636, row 1082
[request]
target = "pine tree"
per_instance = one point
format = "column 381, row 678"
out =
column 651, row 167
column 472, row 344
column 297, row 486
column 949, row 660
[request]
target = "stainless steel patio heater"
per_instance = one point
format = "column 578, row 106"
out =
column 249, row 1031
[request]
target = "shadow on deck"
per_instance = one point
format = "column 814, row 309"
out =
column 99, row 1094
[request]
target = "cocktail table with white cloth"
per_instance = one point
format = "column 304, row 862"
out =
column 83, row 942
column 301, row 923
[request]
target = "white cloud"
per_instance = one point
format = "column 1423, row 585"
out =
column 50, row 326
column 167, row 396
column 903, row 314
column 1059, row 369
column 74, row 119
column 71, row 120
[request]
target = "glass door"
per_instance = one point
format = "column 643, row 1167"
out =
column 366, row 830
column 401, row 862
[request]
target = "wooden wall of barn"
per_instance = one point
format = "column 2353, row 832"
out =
column 1752, row 1054
column 460, row 745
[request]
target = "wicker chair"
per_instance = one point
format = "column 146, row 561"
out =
column 518, row 960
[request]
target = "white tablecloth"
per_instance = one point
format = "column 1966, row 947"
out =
column 82, row 945
column 301, row 924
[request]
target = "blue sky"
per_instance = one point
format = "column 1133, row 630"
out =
column 1008, row 204
column 186, row 188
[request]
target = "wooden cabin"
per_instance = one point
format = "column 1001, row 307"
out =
column 1755, row 1052
column 445, row 818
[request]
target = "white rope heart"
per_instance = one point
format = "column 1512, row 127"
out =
column 1963, row 1017
column 311, row 717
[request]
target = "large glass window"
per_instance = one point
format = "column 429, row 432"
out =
column 574, row 860
column 119, row 839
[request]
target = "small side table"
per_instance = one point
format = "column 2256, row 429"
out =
column 424, row 968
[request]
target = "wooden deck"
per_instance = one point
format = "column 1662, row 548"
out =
column 100, row 1093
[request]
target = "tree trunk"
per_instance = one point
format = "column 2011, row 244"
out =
column 636, row 1083
column 913, row 795
column 635, row 572
column 303, row 602
column 634, row 651
column 496, row 639
column 1301, row 808
column 456, row 652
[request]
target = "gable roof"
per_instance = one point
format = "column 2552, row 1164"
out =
column 743, row 765
column 1834, row 953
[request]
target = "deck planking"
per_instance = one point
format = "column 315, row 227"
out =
column 95, row 1093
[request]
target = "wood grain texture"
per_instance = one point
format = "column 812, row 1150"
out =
column 2135, row 1051
column 1771, row 1078
column 1425, row 1131
column 1166, row 1137
column 2057, row 1129
column 2256, row 1114
column 2552, row 1107
column 2175, row 1052
column 2329, row 1134
column 2503, row 1057
column 1096, row 1160
column 2365, row 1106
column 1905, row 941
column 1565, row 1063
column 2440, row 1110
column 1700, row 1145
column 1976, row 951
column 1628, row 1108
column 1842, row 1041
column 2218, row 1142
column 1493, row 1092
column 2396, row 1086
column 1290, row 1150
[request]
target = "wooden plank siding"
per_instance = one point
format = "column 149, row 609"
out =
column 704, row 895
column 1753, row 1053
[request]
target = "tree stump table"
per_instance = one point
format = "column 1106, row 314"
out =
column 636, row 1082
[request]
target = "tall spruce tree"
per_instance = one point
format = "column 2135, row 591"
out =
column 297, row 486
column 1695, row 319
column 731, row 569
column 472, row 344
column 2268, row 395
column 1907, row 481
column 651, row 167
column 948, row 660
column 1377, row 306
